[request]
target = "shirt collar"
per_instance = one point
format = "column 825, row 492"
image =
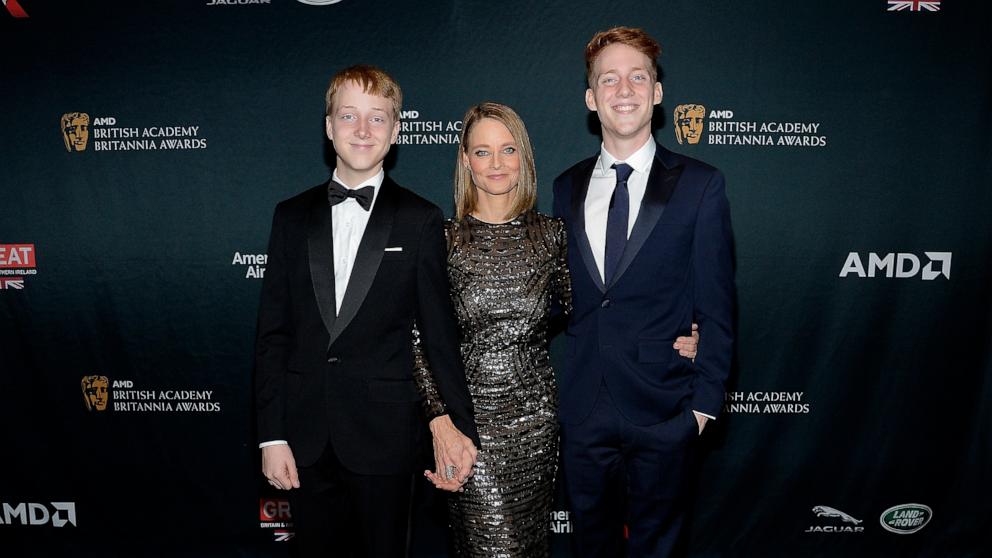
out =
column 374, row 182
column 640, row 160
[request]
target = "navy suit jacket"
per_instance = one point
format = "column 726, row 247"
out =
column 677, row 268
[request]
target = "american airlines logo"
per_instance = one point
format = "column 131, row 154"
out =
column 902, row 265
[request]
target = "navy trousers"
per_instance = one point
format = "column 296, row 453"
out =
column 627, row 485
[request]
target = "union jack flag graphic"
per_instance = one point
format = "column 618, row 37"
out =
column 14, row 8
column 914, row 5
column 11, row 283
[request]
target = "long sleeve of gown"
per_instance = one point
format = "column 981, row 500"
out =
column 424, row 378
column 562, row 281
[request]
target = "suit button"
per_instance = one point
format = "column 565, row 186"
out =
column 333, row 360
column 605, row 303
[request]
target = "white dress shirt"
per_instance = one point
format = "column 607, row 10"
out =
column 348, row 222
column 601, row 186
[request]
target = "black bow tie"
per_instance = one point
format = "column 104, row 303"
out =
column 336, row 193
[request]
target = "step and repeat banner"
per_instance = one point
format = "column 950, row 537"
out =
column 145, row 144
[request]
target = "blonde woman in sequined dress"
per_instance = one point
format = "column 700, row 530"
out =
column 509, row 275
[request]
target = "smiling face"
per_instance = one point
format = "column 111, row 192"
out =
column 493, row 157
column 623, row 93
column 362, row 127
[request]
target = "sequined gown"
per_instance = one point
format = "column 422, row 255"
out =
column 505, row 280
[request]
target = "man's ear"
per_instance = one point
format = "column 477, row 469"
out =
column 590, row 100
column 327, row 128
column 396, row 132
column 658, row 93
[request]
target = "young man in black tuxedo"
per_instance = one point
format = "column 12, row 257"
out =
column 353, row 263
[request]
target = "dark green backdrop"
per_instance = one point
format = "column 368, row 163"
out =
column 855, row 393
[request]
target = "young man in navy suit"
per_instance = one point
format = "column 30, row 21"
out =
column 650, row 252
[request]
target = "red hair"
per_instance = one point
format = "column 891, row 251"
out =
column 373, row 81
column 630, row 36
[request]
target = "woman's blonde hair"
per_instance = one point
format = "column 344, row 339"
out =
column 525, row 195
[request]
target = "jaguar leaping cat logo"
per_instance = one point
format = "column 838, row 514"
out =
column 827, row 511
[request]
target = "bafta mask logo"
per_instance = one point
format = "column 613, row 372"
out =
column 95, row 392
column 689, row 123
column 75, row 130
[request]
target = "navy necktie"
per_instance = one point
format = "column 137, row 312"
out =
column 337, row 193
column 616, row 221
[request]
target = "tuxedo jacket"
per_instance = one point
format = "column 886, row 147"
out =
column 676, row 268
column 348, row 379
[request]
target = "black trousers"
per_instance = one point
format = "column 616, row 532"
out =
column 627, row 485
column 338, row 513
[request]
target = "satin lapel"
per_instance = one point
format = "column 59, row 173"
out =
column 580, row 187
column 320, row 255
column 368, row 258
column 661, row 184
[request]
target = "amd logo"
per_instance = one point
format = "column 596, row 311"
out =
column 61, row 514
column 899, row 265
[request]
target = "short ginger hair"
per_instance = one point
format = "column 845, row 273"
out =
column 633, row 37
column 372, row 80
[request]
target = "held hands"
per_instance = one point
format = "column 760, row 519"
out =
column 279, row 467
column 454, row 456
column 687, row 346
column 454, row 452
